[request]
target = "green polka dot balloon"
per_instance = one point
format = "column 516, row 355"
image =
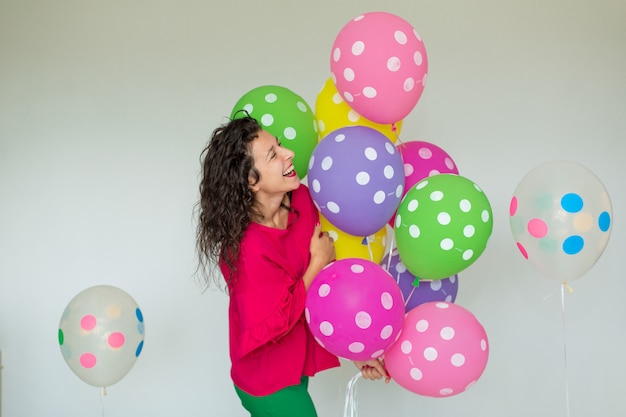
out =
column 442, row 226
column 285, row 115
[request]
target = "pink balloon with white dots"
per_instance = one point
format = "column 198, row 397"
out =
column 354, row 309
column 379, row 66
column 442, row 350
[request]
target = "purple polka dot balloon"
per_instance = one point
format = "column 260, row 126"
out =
column 354, row 309
column 428, row 290
column 356, row 178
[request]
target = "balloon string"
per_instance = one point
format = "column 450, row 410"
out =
column 409, row 296
column 569, row 289
column 391, row 243
column 369, row 248
column 350, row 408
column 394, row 129
column 103, row 394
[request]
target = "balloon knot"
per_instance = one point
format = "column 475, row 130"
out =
column 568, row 287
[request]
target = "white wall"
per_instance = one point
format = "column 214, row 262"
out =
column 105, row 106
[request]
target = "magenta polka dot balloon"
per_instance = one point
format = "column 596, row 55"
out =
column 421, row 160
column 354, row 309
column 441, row 352
column 101, row 334
column 379, row 66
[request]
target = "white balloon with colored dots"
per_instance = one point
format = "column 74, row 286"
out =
column 101, row 335
column 560, row 217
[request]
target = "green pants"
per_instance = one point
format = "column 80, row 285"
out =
column 288, row 402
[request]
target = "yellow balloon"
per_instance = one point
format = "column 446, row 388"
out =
column 371, row 248
column 332, row 112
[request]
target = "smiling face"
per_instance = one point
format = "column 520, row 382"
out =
column 274, row 166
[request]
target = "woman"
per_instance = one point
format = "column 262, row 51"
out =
column 257, row 222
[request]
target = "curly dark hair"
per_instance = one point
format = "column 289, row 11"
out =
column 227, row 204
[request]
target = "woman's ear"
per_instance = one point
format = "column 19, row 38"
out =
column 253, row 186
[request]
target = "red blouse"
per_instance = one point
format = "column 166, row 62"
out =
column 271, row 346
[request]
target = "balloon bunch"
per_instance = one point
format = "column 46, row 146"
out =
column 365, row 181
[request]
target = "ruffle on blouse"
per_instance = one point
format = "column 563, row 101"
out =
column 267, row 314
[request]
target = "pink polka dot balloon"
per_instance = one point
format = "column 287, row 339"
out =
column 441, row 352
column 354, row 308
column 101, row 334
column 379, row 66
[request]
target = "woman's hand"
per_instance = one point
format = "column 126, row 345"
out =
column 322, row 250
column 373, row 369
column 322, row 246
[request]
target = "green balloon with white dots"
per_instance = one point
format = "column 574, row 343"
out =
column 442, row 226
column 285, row 115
